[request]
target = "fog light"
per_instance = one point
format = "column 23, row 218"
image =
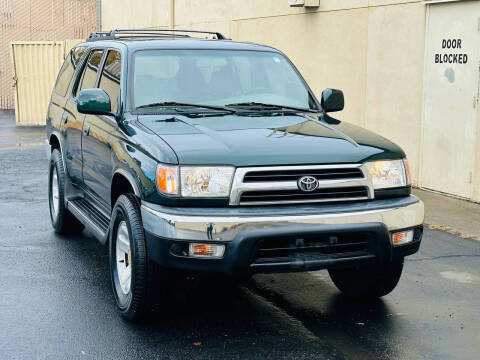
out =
column 402, row 237
column 206, row 250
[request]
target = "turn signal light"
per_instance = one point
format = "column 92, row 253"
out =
column 206, row 250
column 408, row 172
column 402, row 237
column 167, row 179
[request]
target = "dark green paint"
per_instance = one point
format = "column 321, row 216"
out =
column 332, row 100
column 93, row 101
column 268, row 139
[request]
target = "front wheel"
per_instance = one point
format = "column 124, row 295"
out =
column 366, row 282
column 136, row 281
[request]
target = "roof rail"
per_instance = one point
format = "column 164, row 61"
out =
column 142, row 33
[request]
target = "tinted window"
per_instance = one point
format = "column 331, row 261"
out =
column 110, row 80
column 68, row 69
column 77, row 54
column 90, row 71
column 217, row 77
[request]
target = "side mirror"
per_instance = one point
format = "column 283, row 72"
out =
column 94, row 101
column 332, row 100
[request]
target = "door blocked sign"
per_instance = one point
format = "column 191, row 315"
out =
column 451, row 58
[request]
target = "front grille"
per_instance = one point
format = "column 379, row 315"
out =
column 294, row 175
column 320, row 195
column 312, row 247
column 272, row 185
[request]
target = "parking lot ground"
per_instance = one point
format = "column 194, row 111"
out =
column 56, row 300
column 15, row 136
column 447, row 213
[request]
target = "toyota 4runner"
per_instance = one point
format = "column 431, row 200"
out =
column 186, row 151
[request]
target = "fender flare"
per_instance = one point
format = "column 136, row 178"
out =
column 130, row 179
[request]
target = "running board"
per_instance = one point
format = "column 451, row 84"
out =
column 91, row 217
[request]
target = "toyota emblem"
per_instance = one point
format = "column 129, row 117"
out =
column 307, row 183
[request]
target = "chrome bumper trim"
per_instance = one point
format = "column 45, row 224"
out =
column 225, row 228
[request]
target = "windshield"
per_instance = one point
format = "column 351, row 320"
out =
column 217, row 77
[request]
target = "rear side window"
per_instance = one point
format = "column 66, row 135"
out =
column 68, row 69
column 110, row 80
column 90, row 71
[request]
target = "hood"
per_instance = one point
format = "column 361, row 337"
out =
column 269, row 139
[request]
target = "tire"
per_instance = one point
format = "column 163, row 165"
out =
column 136, row 296
column 63, row 221
column 368, row 282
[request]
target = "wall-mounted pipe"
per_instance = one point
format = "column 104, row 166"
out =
column 172, row 14
column 99, row 15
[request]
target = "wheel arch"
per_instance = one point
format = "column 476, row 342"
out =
column 122, row 182
column 55, row 143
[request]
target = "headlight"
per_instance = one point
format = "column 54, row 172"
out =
column 389, row 173
column 205, row 181
column 194, row 181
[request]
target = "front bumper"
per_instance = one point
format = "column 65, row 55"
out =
column 243, row 229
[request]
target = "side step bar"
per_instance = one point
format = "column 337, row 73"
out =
column 91, row 217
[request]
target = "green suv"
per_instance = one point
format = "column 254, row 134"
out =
column 188, row 152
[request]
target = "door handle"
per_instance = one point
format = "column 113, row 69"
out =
column 64, row 119
column 86, row 130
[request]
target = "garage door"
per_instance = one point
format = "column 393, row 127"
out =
column 451, row 85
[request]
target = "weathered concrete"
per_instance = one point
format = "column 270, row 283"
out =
column 451, row 214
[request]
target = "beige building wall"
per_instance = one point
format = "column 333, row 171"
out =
column 128, row 14
column 371, row 49
column 394, row 79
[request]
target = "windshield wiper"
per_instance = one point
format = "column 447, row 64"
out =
column 173, row 103
column 270, row 106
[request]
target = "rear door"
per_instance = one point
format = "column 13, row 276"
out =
column 99, row 132
column 59, row 94
column 72, row 120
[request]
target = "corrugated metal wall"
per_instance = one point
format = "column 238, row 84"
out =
column 35, row 66
column 38, row 20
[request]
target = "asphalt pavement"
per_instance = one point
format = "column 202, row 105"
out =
column 56, row 300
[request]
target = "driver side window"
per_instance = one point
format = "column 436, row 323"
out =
column 110, row 79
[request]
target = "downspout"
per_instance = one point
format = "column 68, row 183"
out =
column 99, row 15
column 172, row 14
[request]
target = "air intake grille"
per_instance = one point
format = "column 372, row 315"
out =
column 321, row 195
column 293, row 175
column 312, row 248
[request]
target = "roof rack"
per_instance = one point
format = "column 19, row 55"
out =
column 145, row 33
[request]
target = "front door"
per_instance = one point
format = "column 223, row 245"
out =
column 99, row 132
column 72, row 120
column 451, row 83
